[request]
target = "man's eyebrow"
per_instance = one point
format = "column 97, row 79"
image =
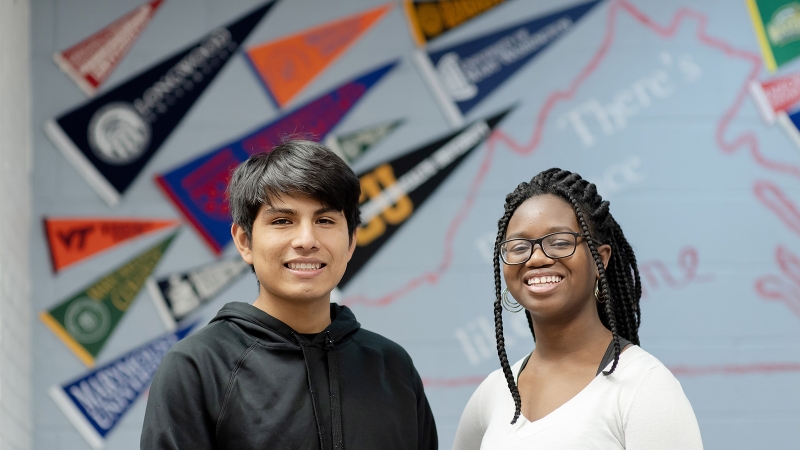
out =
column 327, row 210
column 286, row 211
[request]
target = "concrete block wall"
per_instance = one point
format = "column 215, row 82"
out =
column 15, row 201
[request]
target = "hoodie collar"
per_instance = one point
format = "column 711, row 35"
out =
column 266, row 327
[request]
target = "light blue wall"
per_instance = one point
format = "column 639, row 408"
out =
column 681, row 172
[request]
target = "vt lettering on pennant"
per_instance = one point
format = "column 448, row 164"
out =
column 71, row 240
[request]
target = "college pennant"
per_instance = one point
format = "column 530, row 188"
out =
column 95, row 402
column 111, row 138
column 289, row 64
column 351, row 146
column 777, row 27
column 462, row 75
column 775, row 96
column 790, row 123
column 85, row 320
column 198, row 187
column 391, row 191
column 179, row 294
column 72, row 240
column 90, row 62
column 429, row 19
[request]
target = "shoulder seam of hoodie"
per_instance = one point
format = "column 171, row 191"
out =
column 230, row 385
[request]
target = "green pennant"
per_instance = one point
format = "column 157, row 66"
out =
column 85, row 321
column 351, row 146
column 777, row 27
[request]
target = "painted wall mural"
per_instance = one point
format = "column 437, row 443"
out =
column 668, row 106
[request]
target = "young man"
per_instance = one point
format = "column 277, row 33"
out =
column 291, row 370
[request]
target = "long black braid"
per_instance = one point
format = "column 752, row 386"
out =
column 620, row 286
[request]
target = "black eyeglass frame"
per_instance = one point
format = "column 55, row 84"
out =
column 539, row 241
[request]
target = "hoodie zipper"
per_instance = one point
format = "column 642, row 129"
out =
column 333, row 383
column 299, row 340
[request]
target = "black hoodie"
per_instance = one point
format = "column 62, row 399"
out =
column 249, row 381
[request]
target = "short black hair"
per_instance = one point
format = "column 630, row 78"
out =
column 620, row 287
column 295, row 166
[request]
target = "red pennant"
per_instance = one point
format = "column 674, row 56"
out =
column 90, row 62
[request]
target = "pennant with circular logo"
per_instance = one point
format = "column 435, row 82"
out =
column 111, row 138
column 86, row 319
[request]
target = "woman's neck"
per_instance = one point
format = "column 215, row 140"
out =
column 578, row 339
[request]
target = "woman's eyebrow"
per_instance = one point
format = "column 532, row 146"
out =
column 522, row 234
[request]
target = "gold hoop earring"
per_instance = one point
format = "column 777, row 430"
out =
column 512, row 307
column 597, row 296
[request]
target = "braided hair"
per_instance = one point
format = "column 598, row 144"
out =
column 619, row 286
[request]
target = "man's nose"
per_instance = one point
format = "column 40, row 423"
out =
column 306, row 237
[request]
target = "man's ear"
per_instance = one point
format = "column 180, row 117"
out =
column 605, row 254
column 242, row 243
column 353, row 244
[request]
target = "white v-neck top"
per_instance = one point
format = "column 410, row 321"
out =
column 641, row 406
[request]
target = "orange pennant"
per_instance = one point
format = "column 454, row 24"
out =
column 74, row 239
column 287, row 65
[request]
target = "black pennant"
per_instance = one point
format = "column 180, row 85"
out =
column 111, row 138
column 392, row 191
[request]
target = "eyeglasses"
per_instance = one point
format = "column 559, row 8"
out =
column 554, row 245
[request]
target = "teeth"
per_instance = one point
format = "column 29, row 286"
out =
column 544, row 280
column 305, row 266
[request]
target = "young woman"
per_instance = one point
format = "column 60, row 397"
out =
column 587, row 384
